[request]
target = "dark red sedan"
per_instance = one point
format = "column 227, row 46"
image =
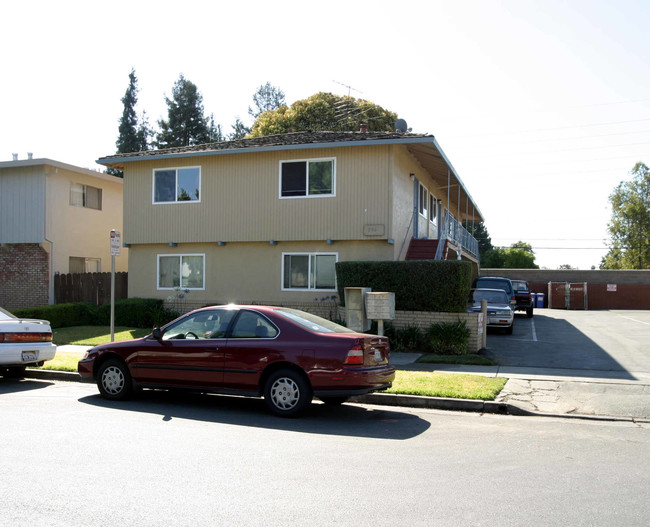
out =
column 286, row 355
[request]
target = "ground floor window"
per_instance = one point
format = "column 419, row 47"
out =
column 84, row 265
column 309, row 271
column 181, row 270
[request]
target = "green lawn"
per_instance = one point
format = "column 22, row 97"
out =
column 456, row 386
column 432, row 384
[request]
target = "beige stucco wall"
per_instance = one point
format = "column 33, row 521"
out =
column 80, row 231
column 402, row 196
column 243, row 272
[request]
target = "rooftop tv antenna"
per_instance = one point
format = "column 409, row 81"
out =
column 348, row 87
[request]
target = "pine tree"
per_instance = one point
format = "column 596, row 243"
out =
column 266, row 98
column 186, row 123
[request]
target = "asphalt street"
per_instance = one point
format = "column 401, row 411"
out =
column 71, row 458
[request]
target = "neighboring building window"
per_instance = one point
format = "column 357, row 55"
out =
column 171, row 185
column 433, row 209
column 84, row 265
column 307, row 271
column 423, row 197
column 309, row 178
column 181, row 270
column 85, row 196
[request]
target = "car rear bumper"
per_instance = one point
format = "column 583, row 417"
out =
column 12, row 355
column 351, row 381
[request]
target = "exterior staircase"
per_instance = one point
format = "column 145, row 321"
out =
column 424, row 249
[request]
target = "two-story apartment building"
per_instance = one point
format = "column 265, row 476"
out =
column 266, row 219
column 54, row 218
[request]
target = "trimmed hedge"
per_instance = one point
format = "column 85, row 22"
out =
column 130, row 312
column 419, row 285
column 62, row 315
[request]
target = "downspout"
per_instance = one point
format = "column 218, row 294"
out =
column 50, row 300
column 415, row 205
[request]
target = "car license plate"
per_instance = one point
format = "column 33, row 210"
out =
column 378, row 357
column 30, row 355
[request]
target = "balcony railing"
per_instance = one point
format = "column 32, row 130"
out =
column 453, row 231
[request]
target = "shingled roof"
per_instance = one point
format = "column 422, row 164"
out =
column 270, row 142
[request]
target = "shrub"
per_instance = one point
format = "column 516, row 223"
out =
column 423, row 285
column 448, row 338
column 405, row 339
column 131, row 312
column 62, row 315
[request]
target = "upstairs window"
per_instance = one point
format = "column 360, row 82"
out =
column 433, row 208
column 173, row 185
column 309, row 178
column 423, row 197
column 85, row 196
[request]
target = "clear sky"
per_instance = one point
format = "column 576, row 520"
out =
column 542, row 106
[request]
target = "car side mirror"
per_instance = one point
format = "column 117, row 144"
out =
column 157, row 334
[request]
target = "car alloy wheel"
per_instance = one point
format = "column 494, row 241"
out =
column 287, row 393
column 114, row 380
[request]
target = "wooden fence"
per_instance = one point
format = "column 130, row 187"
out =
column 89, row 287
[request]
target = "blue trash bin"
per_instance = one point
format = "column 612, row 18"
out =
column 539, row 299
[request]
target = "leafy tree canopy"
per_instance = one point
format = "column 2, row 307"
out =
column 629, row 227
column 519, row 255
column 324, row 111
column 186, row 124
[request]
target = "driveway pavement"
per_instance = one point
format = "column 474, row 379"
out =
column 569, row 363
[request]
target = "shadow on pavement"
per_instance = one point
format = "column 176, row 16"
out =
column 21, row 385
column 553, row 343
column 344, row 420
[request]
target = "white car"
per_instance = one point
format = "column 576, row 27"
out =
column 500, row 312
column 23, row 342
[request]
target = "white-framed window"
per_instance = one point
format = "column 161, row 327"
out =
column 85, row 196
column 423, row 198
column 175, row 185
column 181, row 270
column 433, row 209
column 309, row 271
column 308, row 178
column 78, row 264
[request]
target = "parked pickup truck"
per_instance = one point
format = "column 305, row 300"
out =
column 524, row 297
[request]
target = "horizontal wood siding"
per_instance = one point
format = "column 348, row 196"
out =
column 240, row 199
column 22, row 205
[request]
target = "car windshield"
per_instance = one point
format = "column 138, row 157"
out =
column 491, row 284
column 519, row 285
column 5, row 315
column 492, row 297
column 312, row 322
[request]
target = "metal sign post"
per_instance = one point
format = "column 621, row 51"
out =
column 116, row 247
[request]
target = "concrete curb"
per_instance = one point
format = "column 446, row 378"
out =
column 391, row 399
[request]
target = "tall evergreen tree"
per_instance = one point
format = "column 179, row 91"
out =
column 266, row 98
column 133, row 133
column 186, row 123
column 239, row 130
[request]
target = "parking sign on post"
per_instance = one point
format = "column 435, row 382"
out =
column 116, row 248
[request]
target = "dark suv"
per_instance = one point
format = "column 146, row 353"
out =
column 524, row 297
column 495, row 282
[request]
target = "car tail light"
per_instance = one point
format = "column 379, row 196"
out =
column 25, row 337
column 354, row 356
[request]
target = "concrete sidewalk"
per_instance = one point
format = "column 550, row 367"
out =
column 615, row 395
column 548, row 391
